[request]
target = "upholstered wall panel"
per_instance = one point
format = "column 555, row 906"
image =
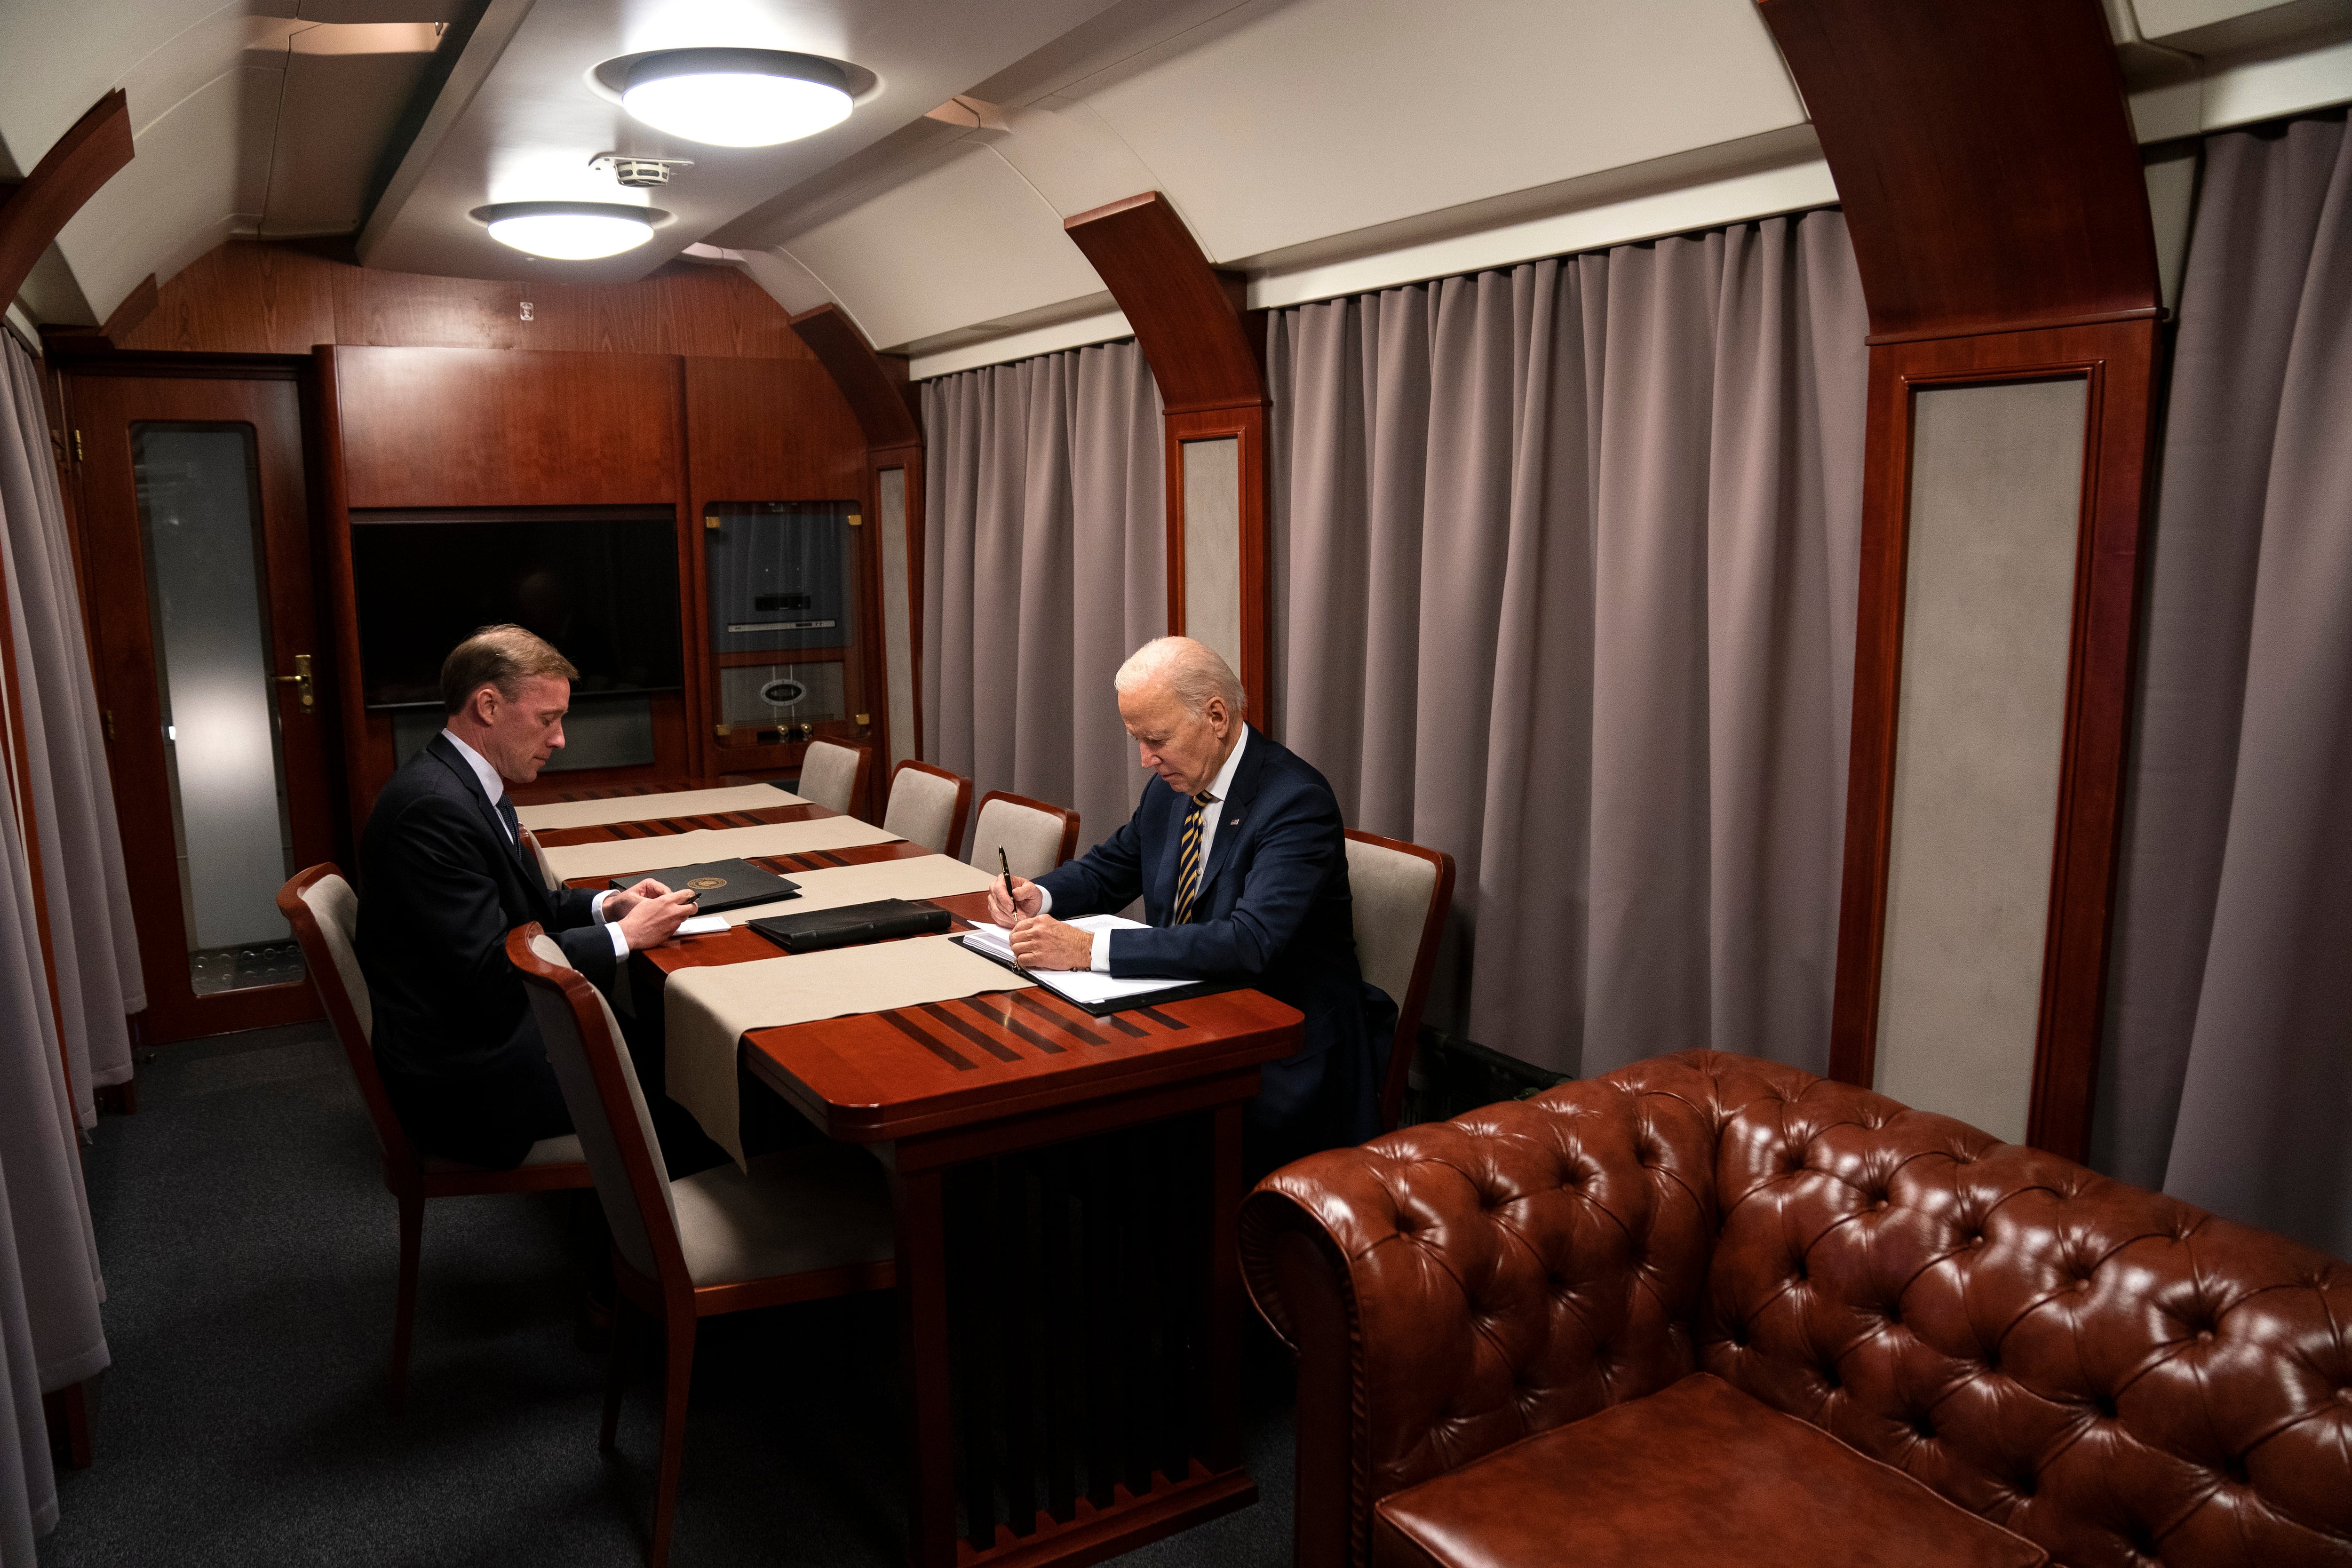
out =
column 1213, row 594
column 1996, row 494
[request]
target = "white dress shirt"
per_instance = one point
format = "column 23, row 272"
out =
column 1219, row 787
column 493, row 786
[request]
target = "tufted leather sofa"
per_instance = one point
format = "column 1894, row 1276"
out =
column 1576, row 1329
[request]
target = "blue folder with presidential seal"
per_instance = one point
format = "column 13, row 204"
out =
column 719, row 885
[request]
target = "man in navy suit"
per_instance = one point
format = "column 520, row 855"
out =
column 1236, row 850
column 444, row 876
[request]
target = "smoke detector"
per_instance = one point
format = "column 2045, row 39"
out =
column 638, row 173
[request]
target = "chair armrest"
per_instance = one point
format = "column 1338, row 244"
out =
column 1454, row 1287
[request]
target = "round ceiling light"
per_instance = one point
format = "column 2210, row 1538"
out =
column 569, row 231
column 737, row 98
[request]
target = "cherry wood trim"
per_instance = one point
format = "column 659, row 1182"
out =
column 136, row 306
column 1069, row 819
column 1189, row 319
column 959, row 818
column 2118, row 362
column 1424, row 963
column 73, row 171
column 1246, row 426
column 875, row 385
column 1984, row 156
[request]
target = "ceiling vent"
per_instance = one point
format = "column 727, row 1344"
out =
column 638, row 173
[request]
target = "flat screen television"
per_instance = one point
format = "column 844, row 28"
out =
column 601, row 586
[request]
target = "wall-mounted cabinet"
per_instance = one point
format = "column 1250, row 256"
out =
column 600, row 500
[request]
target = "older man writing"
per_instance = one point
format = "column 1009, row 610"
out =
column 1236, row 850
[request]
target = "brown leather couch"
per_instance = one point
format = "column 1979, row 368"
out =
column 1714, row 1309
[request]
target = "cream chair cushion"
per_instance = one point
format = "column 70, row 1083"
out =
column 1392, row 891
column 826, row 1206
column 592, row 1130
column 1031, row 839
column 921, row 810
column 337, row 909
column 828, row 774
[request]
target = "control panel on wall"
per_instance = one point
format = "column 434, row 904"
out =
column 786, row 640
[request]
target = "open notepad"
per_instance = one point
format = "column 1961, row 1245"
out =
column 1083, row 986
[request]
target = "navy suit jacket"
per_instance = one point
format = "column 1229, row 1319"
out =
column 440, row 886
column 1274, row 909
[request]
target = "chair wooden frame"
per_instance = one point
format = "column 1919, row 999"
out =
column 858, row 805
column 957, row 821
column 1416, row 996
column 404, row 1175
column 1070, row 818
column 672, row 1300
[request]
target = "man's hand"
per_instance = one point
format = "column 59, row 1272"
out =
column 1028, row 899
column 621, row 904
column 652, row 921
column 1040, row 942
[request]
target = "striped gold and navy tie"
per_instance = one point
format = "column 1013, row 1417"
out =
column 1188, row 860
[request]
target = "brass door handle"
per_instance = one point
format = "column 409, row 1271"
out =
column 304, row 686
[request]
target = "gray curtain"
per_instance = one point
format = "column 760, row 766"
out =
column 49, row 1283
column 2227, row 1077
column 1044, row 565
column 1564, row 567
column 92, row 935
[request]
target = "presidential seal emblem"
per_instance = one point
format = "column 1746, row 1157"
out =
column 708, row 882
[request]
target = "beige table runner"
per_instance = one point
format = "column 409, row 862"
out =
column 647, row 807
column 706, row 1011
column 703, row 843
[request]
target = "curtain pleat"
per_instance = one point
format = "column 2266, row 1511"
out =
column 1044, row 565
column 50, row 1333
column 2227, row 1070
column 1564, row 568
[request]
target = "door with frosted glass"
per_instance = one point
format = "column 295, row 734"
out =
column 196, row 547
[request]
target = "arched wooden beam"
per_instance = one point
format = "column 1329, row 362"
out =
column 889, row 410
column 1189, row 318
column 875, row 384
column 1206, row 352
column 68, row 174
column 1984, row 155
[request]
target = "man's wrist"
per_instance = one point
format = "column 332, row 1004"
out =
column 1044, row 899
column 620, row 939
column 1101, row 962
column 596, row 905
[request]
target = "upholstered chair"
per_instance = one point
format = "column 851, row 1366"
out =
column 1036, row 837
column 834, row 775
column 810, row 1222
column 928, row 807
column 325, row 913
column 1401, row 892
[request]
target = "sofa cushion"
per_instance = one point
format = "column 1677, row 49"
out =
column 1699, row 1473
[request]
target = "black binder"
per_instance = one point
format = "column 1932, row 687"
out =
column 851, row 924
column 720, row 885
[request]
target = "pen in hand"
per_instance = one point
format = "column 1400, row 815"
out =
column 1011, row 902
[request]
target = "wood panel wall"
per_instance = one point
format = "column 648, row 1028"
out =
column 254, row 297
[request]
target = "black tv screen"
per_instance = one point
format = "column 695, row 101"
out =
column 602, row 589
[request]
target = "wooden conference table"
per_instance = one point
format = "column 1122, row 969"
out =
column 1067, row 1189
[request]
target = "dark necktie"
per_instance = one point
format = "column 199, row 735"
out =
column 514, row 826
column 1188, row 860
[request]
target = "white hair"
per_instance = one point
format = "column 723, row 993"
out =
column 1194, row 671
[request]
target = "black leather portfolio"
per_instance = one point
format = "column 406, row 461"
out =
column 720, row 885
column 851, row 924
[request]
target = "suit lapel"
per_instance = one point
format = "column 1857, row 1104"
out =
column 1235, row 811
column 446, row 755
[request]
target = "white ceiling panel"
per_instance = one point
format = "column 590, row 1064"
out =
column 179, row 197
column 1323, row 116
column 965, row 240
column 65, row 55
column 345, row 87
column 531, row 131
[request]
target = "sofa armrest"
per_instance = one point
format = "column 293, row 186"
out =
column 1454, row 1287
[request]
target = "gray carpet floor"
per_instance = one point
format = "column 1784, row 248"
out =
column 250, row 1251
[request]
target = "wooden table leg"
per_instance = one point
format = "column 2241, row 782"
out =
column 923, row 1352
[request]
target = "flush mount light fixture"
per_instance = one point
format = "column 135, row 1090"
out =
column 569, row 231
column 736, row 98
